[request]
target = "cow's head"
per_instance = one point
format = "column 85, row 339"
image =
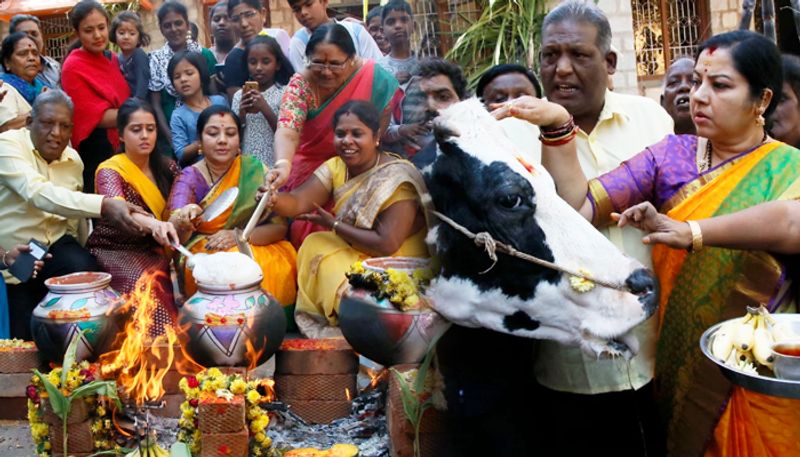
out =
column 477, row 181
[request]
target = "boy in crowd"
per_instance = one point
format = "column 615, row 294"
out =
column 397, row 22
column 312, row 14
column 374, row 28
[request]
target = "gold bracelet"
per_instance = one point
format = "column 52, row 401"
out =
column 333, row 227
column 697, row 236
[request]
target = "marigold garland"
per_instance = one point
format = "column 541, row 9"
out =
column 102, row 429
column 214, row 381
column 398, row 287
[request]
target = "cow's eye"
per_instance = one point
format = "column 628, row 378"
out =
column 510, row 201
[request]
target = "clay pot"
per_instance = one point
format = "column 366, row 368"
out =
column 74, row 302
column 220, row 322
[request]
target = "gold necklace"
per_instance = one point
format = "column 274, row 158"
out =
column 705, row 164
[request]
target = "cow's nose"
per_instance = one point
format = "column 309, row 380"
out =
column 642, row 282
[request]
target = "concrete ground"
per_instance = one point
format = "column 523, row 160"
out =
column 15, row 439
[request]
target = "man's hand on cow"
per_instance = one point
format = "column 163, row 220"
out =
column 661, row 229
column 119, row 213
column 534, row 110
column 319, row 217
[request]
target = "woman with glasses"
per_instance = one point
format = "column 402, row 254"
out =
column 333, row 76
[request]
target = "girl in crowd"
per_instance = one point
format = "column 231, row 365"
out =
column 334, row 76
column 786, row 118
column 91, row 76
column 730, row 165
column 128, row 33
column 21, row 61
column 191, row 80
column 143, row 177
column 377, row 202
column 173, row 21
column 250, row 17
column 221, row 168
column 267, row 66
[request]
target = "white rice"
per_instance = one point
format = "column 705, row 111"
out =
column 226, row 268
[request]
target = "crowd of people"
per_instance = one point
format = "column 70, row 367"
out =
column 110, row 159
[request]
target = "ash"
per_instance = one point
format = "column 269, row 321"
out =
column 365, row 427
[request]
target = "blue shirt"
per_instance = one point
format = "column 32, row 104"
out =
column 183, row 125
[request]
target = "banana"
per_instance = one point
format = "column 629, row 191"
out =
column 743, row 337
column 762, row 343
column 722, row 344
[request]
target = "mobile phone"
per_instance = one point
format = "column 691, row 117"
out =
column 250, row 85
column 22, row 268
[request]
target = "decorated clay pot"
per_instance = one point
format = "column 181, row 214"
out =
column 78, row 301
column 379, row 331
column 232, row 325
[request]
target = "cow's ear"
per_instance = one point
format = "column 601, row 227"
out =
column 442, row 130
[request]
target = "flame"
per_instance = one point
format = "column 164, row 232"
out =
column 142, row 360
column 252, row 355
column 375, row 377
column 347, row 393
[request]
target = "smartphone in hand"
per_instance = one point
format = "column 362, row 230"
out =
column 22, row 268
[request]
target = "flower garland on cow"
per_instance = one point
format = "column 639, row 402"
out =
column 98, row 408
column 213, row 382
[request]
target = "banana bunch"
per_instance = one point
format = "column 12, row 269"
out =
column 149, row 448
column 741, row 342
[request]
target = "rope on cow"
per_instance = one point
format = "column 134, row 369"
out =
column 579, row 280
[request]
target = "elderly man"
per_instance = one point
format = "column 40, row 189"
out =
column 30, row 25
column 41, row 198
column 675, row 99
column 605, row 403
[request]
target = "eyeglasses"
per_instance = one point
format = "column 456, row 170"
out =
column 334, row 67
column 246, row 15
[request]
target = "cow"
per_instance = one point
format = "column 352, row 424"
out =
column 478, row 181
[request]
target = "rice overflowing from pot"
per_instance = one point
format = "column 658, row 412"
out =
column 226, row 268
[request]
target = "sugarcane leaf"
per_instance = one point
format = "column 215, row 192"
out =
column 70, row 355
column 58, row 402
column 409, row 399
column 104, row 388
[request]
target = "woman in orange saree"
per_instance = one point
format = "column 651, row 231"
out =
column 222, row 168
column 730, row 165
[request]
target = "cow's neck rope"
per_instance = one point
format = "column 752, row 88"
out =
column 492, row 246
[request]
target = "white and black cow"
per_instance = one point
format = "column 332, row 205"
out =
column 477, row 181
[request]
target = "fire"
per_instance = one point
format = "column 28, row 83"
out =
column 252, row 354
column 374, row 376
column 347, row 394
column 142, row 360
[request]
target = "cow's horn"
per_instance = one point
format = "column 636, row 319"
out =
column 443, row 130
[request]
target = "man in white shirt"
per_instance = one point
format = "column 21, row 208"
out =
column 312, row 14
column 41, row 179
column 607, row 403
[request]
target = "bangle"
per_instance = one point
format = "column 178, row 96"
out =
column 280, row 162
column 697, row 236
column 333, row 227
column 559, row 130
column 559, row 140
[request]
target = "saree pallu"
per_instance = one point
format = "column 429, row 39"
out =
column 324, row 257
column 703, row 288
column 278, row 260
column 371, row 83
column 127, row 257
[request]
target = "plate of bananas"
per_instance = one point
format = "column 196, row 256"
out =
column 742, row 348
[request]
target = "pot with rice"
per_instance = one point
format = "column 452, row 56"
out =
column 230, row 321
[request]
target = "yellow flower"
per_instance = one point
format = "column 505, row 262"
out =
column 213, row 372
column 101, row 411
column 357, row 268
column 183, row 384
column 581, row 285
column 253, row 396
column 238, row 386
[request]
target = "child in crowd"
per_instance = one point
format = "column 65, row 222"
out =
column 191, row 80
column 374, row 27
column 249, row 16
column 409, row 129
column 265, row 63
column 312, row 14
column 128, row 33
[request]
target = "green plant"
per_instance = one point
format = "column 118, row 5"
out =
column 416, row 397
column 60, row 402
column 508, row 31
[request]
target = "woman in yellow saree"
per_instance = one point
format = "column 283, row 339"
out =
column 222, row 168
column 730, row 165
column 378, row 212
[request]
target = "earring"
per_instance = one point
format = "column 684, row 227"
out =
column 760, row 120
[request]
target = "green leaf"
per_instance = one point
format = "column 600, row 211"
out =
column 409, row 399
column 70, row 355
column 104, row 388
column 58, row 402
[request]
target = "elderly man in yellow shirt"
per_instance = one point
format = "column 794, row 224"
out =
column 40, row 198
column 606, row 402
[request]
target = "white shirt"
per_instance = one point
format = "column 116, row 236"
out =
column 365, row 46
